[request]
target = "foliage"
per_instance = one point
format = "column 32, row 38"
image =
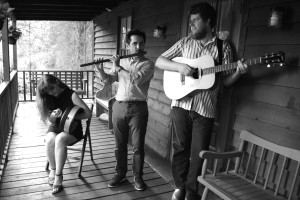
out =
column 5, row 11
column 14, row 32
column 57, row 45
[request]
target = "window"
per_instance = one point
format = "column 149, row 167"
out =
column 125, row 27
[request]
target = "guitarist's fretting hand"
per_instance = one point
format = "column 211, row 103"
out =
column 185, row 70
column 242, row 67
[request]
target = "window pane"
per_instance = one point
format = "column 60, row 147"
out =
column 123, row 25
column 128, row 23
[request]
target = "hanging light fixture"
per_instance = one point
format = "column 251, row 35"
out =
column 275, row 18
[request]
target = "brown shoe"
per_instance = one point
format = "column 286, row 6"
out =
column 178, row 194
column 139, row 184
column 116, row 181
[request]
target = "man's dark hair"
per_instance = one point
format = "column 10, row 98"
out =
column 206, row 11
column 135, row 32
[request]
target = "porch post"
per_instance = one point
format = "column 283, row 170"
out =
column 15, row 59
column 5, row 50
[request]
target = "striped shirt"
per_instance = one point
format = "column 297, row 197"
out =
column 204, row 102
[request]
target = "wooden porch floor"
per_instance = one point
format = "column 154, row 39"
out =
column 25, row 178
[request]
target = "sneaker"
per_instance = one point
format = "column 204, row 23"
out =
column 139, row 183
column 116, row 181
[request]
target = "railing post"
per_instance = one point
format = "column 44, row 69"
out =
column 5, row 50
column 24, row 85
column 30, row 88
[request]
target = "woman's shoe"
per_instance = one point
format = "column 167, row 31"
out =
column 57, row 187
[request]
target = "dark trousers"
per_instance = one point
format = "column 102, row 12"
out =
column 191, row 133
column 130, row 120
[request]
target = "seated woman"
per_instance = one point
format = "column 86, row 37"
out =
column 53, row 98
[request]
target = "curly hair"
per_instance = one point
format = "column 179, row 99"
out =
column 206, row 11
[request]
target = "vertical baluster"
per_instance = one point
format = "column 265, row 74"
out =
column 294, row 181
column 269, row 171
column 87, row 84
column 24, row 85
column 65, row 77
column 280, row 176
column 259, row 164
column 30, row 87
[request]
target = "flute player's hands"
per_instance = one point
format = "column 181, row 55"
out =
column 115, row 59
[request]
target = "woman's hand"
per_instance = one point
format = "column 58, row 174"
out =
column 54, row 115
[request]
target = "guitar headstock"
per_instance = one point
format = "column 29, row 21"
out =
column 273, row 59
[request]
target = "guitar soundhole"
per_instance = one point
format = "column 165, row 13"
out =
column 195, row 75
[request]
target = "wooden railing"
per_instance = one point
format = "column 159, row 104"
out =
column 8, row 107
column 75, row 79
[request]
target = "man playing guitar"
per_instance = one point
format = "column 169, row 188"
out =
column 193, row 116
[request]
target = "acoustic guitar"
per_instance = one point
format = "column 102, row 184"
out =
column 68, row 122
column 177, row 86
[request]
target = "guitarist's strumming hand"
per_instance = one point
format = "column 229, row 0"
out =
column 185, row 69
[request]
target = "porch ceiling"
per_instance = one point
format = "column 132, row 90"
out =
column 61, row 10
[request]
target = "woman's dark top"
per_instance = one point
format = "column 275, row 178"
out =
column 63, row 101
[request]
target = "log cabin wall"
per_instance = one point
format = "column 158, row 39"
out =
column 267, row 100
column 146, row 15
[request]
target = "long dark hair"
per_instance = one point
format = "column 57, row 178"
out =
column 44, row 101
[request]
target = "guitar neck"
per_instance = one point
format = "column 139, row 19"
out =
column 226, row 67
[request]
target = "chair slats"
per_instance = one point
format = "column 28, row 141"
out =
column 215, row 167
column 270, row 169
column 280, row 176
column 249, row 159
column 239, row 160
column 251, row 177
column 259, row 164
column 294, row 181
column 228, row 165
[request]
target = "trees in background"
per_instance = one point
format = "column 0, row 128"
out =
column 54, row 44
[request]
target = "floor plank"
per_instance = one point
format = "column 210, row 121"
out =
column 24, row 176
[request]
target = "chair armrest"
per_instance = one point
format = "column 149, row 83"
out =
column 223, row 155
column 84, row 80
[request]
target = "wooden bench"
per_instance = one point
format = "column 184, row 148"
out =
column 263, row 170
column 104, row 99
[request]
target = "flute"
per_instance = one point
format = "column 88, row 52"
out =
column 107, row 60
